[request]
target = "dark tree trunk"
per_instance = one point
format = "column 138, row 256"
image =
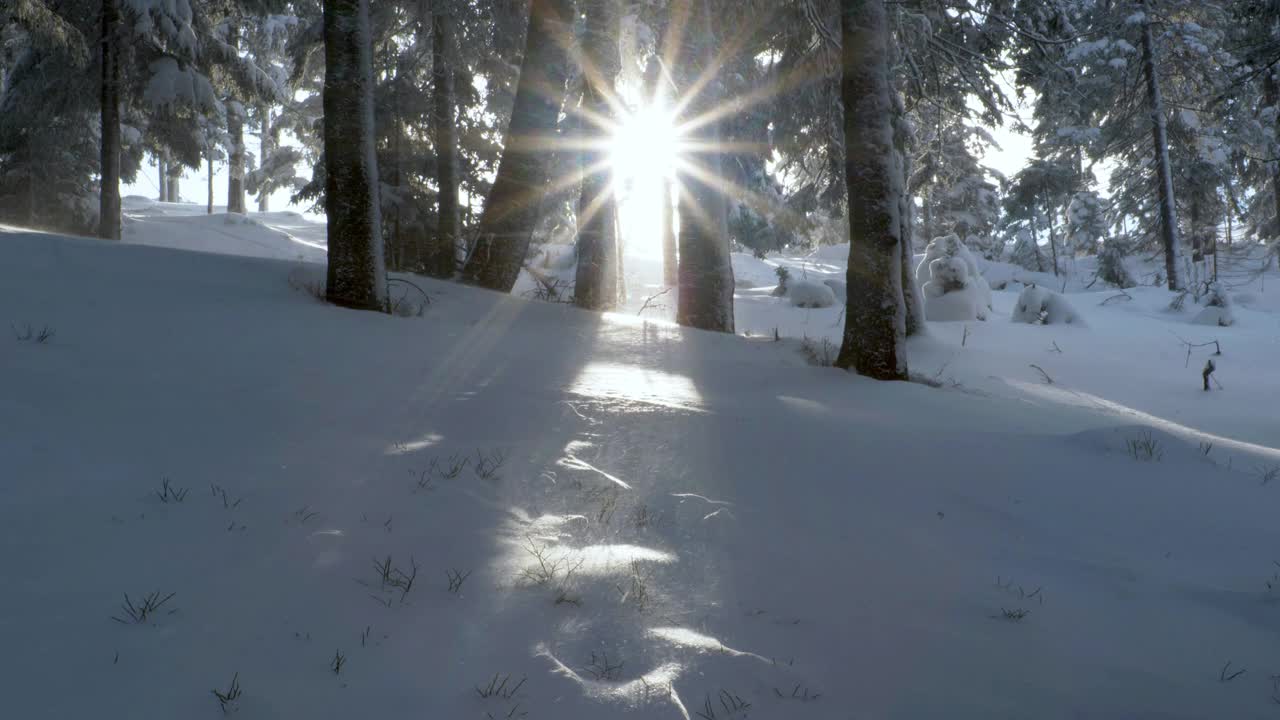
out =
column 109, row 192
column 357, row 274
column 596, row 282
column 1053, row 238
column 1271, row 98
column 209, row 207
column 874, row 342
column 268, row 149
column 235, row 132
column 441, row 258
column 1160, row 147
column 162, row 167
column 511, row 211
column 705, row 276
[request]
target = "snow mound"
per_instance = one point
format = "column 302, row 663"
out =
column 1217, row 309
column 810, row 294
column 1038, row 306
column 952, row 285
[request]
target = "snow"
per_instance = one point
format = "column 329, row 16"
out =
column 1038, row 306
column 711, row 513
column 953, row 288
column 809, row 293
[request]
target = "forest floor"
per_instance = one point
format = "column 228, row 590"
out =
column 505, row 508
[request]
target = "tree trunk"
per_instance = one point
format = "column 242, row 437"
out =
column 357, row 275
column 1271, row 98
column 163, row 172
column 666, row 221
column 506, row 225
column 705, row 275
column 109, row 191
column 596, row 281
column 268, row 149
column 1160, row 146
column 1053, row 239
column 235, row 133
column 912, row 302
column 874, row 342
column 209, row 208
column 441, row 260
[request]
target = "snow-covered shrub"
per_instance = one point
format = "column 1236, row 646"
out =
column 810, row 294
column 1038, row 306
column 1026, row 252
column 1086, row 221
column 783, row 275
column 952, row 286
column 989, row 247
column 1111, row 267
column 1217, row 310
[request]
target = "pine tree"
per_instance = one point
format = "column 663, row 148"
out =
column 357, row 274
column 109, row 166
column 511, row 209
column 874, row 342
column 596, row 280
column 441, row 260
column 705, row 274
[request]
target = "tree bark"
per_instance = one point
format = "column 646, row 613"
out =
column 912, row 302
column 506, row 225
column 874, row 342
column 596, row 281
column 1160, row 143
column 1271, row 98
column 235, row 132
column 1053, row 238
column 705, row 275
column 441, row 257
column 162, row 171
column 357, row 276
column 268, row 149
column 209, row 207
column 109, row 190
column 666, row 222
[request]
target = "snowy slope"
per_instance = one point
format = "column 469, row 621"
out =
column 709, row 512
column 185, row 226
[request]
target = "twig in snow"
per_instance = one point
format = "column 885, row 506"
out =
column 1047, row 380
column 650, row 299
column 1224, row 677
column 227, row 700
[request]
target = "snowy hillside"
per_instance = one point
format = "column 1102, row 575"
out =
column 509, row 509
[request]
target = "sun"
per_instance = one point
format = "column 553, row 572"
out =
column 645, row 146
column 644, row 151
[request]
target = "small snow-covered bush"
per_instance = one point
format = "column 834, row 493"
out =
column 1038, row 306
column 1217, row 310
column 1111, row 267
column 1026, row 253
column 783, row 275
column 810, row 294
column 953, row 287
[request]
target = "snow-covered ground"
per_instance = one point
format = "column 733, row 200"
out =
column 650, row 521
